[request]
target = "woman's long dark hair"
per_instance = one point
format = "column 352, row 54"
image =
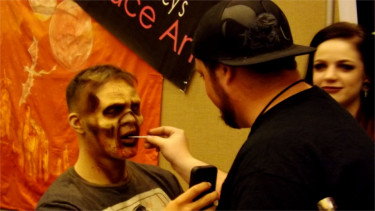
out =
column 365, row 45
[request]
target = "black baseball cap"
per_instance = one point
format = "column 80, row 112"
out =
column 245, row 32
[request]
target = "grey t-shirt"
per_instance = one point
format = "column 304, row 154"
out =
column 148, row 188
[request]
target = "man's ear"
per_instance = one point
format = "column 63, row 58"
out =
column 75, row 122
column 225, row 73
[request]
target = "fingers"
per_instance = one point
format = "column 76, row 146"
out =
column 148, row 145
column 153, row 141
column 185, row 200
column 159, row 131
column 207, row 200
column 158, row 136
column 196, row 190
column 163, row 131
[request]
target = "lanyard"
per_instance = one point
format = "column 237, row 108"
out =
column 278, row 95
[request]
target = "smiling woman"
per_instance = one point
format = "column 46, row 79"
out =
column 342, row 65
column 338, row 69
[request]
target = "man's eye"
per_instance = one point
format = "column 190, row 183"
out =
column 113, row 110
column 136, row 108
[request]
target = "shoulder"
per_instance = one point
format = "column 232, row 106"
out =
column 308, row 127
column 63, row 181
column 61, row 193
column 312, row 114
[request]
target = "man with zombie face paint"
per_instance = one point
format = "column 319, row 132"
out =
column 104, row 110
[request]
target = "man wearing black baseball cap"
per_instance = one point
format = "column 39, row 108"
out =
column 303, row 147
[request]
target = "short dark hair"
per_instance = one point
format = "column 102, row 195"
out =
column 91, row 79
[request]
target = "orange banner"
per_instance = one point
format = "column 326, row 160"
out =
column 44, row 43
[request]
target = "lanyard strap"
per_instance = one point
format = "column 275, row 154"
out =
column 278, row 95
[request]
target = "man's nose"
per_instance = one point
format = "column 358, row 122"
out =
column 128, row 117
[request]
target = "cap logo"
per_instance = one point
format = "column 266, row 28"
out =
column 246, row 30
column 282, row 32
column 238, row 32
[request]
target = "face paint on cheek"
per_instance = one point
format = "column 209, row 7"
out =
column 98, row 129
column 108, row 127
column 127, row 152
column 110, row 133
column 94, row 129
column 104, row 136
column 92, row 103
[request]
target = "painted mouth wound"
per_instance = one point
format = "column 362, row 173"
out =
column 126, row 141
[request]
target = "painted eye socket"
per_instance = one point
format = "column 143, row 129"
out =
column 113, row 111
column 136, row 108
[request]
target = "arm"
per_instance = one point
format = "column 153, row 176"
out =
column 174, row 146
